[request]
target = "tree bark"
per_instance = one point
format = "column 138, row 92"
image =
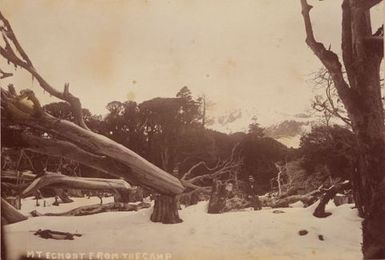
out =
column 374, row 226
column 166, row 210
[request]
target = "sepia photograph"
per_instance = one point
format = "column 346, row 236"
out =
column 192, row 129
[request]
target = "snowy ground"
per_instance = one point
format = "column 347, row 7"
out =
column 235, row 235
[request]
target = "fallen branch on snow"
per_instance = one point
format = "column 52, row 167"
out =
column 97, row 208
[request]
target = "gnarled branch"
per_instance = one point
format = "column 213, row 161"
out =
column 328, row 58
column 11, row 54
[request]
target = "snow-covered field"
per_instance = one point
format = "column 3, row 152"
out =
column 235, row 235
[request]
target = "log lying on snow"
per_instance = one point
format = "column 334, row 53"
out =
column 95, row 209
column 306, row 199
column 9, row 214
column 60, row 180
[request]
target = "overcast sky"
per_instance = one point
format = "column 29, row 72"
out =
column 246, row 56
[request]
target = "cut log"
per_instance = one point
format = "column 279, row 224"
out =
column 9, row 214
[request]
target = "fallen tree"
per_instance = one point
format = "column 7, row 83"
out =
column 42, row 133
column 97, row 208
column 307, row 199
column 58, row 180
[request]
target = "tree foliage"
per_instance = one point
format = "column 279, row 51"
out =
column 330, row 146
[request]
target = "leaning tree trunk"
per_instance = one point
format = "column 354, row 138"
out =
column 166, row 210
column 9, row 214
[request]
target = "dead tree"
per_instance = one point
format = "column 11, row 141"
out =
column 360, row 92
column 224, row 170
column 330, row 105
column 45, row 134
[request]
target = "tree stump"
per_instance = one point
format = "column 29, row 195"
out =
column 220, row 194
column 166, row 210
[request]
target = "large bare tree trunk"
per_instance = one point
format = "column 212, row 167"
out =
column 362, row 53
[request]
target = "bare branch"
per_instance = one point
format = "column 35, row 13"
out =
column 367, row 4
column 10, row 55
column 4, row 74
column 194, row 167
column 346, row 40
column 328, row 58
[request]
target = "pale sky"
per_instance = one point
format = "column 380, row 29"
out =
column 246, row 55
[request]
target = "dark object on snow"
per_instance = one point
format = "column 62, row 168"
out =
column 277, row 211
column 321, row 237
column 46, row 234
column 303, row 232
column 341, row 199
